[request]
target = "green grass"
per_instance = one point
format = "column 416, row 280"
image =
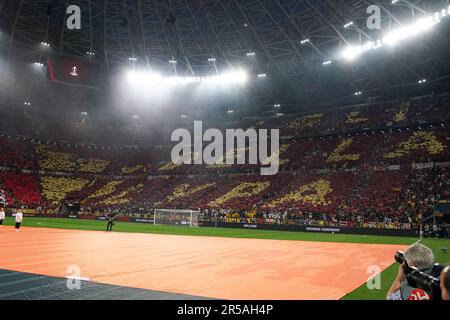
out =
column 388, row 276
column 207, row 232
column 362, row 293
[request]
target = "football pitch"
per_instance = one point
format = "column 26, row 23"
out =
column 309, row 242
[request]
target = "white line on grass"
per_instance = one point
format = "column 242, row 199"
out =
column 79, row 278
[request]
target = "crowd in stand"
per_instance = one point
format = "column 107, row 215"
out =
column 377, row 205
column 386, row 167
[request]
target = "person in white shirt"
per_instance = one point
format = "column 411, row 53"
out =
column 19, row 218
column 2, row 216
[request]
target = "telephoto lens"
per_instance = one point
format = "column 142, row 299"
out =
column 399, row 257
column 426, row 282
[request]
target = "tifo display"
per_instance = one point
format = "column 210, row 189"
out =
column 215, row 152
column 383, row 176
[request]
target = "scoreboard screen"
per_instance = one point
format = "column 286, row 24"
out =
column 73, row 70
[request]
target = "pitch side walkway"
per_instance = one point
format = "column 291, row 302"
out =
column 222, row 268
column 26, row 286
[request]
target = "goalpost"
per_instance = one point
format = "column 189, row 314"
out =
column 176, row 217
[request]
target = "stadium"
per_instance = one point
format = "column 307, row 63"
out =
column 224, row 150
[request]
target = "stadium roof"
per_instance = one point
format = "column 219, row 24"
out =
column 290, row 40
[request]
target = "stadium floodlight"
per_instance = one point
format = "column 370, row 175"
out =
column 326, row 63
column 422, row 81
column 230, row 111
column 28, row 104
column 184, row 116
column 277, row 105
column 250, row 54
column 39, row 64
column 305, row 41
column 347, row 25
column 358, row 93
column 212, row 60
column 394, row 1
column 437, row 17
column 133, row 59
column 45, row 44
column 84, row 113
column 350, row 53
column 145, row 77
column 396, row 36
column 262, row 76
column 90, row 53
column 173, row 61
column 238, row 76
column 136, row 116
column 141, row 77
column 404, row 33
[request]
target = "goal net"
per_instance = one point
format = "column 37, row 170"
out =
column 188, row 218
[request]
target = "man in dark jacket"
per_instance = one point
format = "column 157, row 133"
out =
column 110, row 223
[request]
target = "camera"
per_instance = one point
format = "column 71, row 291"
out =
column 426, row 282
column 400, row 257
column 429, row 282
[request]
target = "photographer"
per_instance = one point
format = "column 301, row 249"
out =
column 420, row 257
column 445, row 283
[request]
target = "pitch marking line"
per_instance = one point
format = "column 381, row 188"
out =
column 79, row 278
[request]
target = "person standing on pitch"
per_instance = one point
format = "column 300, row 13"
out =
column 110, row 223
column 2, row 216
column 19, row 219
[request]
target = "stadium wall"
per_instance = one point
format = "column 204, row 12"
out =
column 273, row 227
column 300, row 228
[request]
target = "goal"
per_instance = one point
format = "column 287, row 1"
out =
column 188, row 218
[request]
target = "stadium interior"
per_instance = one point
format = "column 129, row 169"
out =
column 86, row 114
